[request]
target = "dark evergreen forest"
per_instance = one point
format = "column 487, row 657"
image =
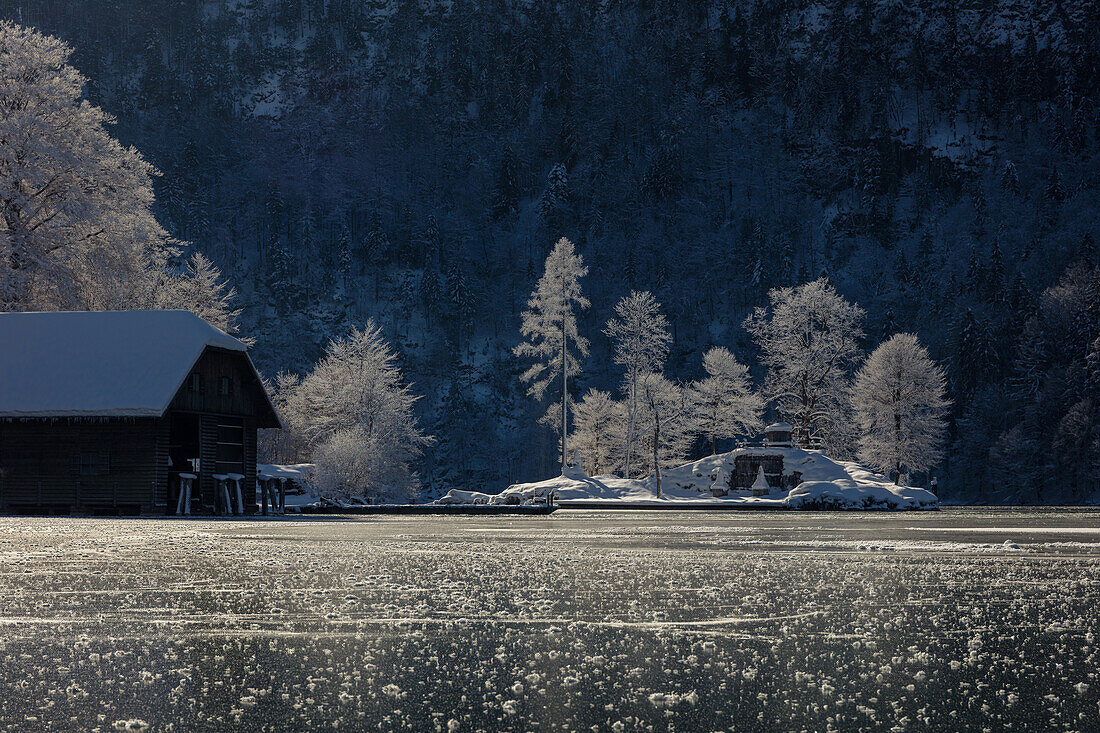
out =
column 414, row 161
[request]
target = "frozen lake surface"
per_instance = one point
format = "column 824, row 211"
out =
column 612, row 620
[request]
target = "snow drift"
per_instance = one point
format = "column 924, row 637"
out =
column 826, row 484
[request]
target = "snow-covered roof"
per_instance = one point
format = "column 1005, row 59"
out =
column 100, row 363
column 779, row 427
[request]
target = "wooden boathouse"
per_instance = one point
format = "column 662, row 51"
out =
column 112, row 412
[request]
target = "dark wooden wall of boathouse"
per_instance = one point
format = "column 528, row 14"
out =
column 121, row 465
column 87, row 465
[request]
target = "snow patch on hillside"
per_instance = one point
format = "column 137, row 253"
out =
column 826, row 484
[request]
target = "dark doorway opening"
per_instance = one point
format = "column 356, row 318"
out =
column 184, row 440
column 230, row 452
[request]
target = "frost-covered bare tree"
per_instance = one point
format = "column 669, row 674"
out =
column 640, row 336
column 77, row 229
column 664, row 422
column 76, row 225
column 549, row 329
column 899, row 397
column 808, row 341
column 286, row 445
column 598, row 425
column 726, row 405
column 201, row 290
column 356, row 413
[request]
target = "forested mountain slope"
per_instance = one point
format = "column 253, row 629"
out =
column 414, row 161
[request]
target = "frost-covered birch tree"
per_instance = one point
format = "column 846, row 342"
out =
column 639, row 334
column 549, row 329
column 808, row 339
column 355, row 411
column 725, row 403
column 597, row 431
column 76, row 226
column 899, row 397
column 664, row 422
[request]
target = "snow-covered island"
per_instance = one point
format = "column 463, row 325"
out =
column 809, row 480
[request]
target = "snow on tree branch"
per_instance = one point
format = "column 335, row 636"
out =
column 808, row 339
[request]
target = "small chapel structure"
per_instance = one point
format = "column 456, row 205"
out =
column 779, row 435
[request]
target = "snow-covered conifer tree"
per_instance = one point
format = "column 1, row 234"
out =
column 431, row 242
column 808, row 341
column 639, row 334
column 506, row 189
column 431, row 292
column 554, row 197
column 376, row 248
column 899, row 397
column 281, row 278
column 343, row 254
column 597, row 429
column 356, row 413
column 1010, row 178
column 725, row 403
column 201, row 290
column 549, row 327
column 974, row 357
column 76, row 225
column 461, row 301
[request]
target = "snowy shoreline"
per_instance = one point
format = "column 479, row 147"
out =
column 824, row 484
